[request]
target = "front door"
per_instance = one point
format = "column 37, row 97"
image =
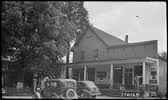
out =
column 128, row 77
column 78, row 74
column 91, row 74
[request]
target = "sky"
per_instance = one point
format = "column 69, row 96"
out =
column 141, row 21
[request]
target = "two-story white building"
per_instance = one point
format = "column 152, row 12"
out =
column 112, row 62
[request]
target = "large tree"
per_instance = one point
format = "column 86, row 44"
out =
column 39, row 33
column 77, row 14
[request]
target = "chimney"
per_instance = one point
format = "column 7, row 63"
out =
column 126, row 38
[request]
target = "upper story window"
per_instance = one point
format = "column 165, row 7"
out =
column 82, row 55
column 96, row 54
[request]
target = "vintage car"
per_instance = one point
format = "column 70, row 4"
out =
column 87, row 89
column 58, row 88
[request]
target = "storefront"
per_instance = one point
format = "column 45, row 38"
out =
column 124, row 74
column 116, row 73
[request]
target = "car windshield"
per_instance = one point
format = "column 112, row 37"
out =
column 54, row 84
column 70, row 84
column 51, row 83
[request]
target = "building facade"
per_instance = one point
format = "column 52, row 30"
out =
column 112, row 62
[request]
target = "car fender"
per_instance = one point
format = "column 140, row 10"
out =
column 55, row 95
column 86, row 91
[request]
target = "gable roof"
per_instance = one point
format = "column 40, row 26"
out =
column 106, row 38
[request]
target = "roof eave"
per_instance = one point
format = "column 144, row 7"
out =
column 131, row 44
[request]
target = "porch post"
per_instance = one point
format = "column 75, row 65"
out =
column 143, row 73
column 84, row 72
column 70, row 73
column 111, row 75
column 123, row 75
column 63, row 72
column 157, row 66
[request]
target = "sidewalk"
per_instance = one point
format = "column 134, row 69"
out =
column 17, row 97
column 15, row 92
column 98, row 97
column 117, row 94
column 113, row 97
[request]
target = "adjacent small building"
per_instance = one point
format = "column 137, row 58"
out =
column 112, row 62
column 162, row 74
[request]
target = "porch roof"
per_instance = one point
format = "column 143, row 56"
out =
column 113, row 61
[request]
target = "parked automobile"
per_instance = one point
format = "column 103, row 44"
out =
column 58, row 88
column 87, row 89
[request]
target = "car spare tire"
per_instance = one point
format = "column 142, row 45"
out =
column 70, row 93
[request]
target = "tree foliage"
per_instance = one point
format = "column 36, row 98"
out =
column 38, row 33
column 77, row 14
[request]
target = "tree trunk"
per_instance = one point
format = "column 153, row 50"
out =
column 69, row 46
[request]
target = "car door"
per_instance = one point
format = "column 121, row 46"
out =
column 80, row 87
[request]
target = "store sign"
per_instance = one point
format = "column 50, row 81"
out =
column 153, row 81
column 101, row 75
column 130, row 94
column 153, row 69
column 152, row 87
